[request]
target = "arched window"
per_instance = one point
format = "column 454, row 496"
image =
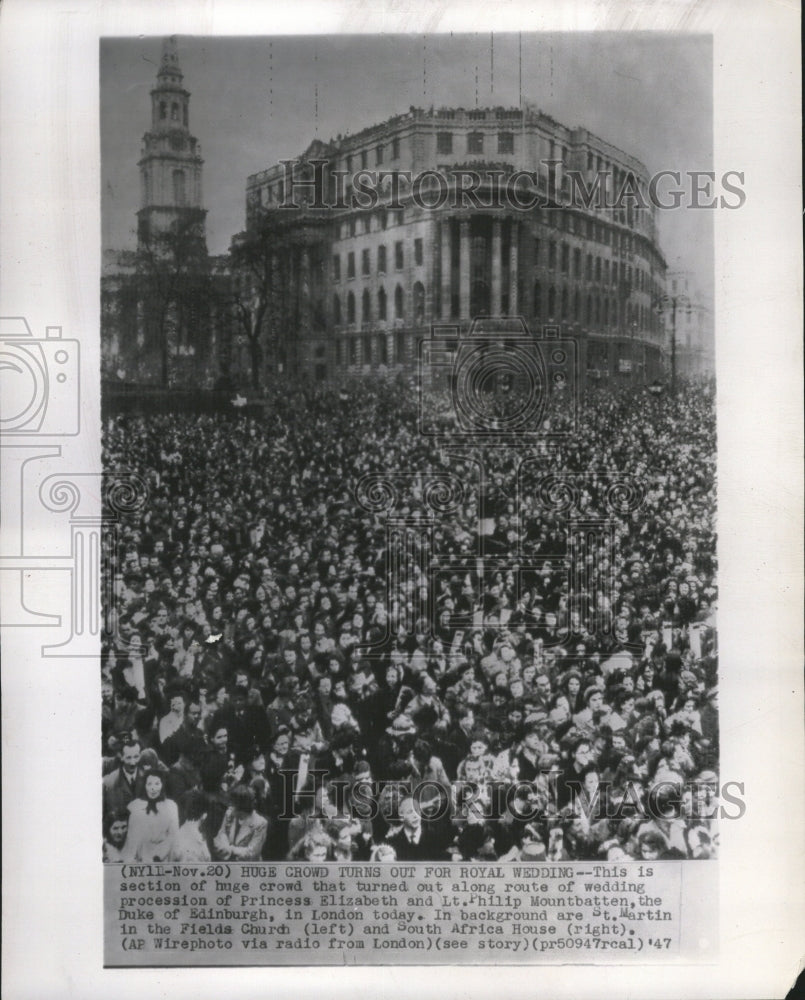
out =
column 381, row 304
column 350, row 308
column 564, row 303
column 174, row 112
column 184, row 115
column 537, row 300
column 551, row 303
column 589, row 308
column 577, row 306
column 163, row 110
column 178, row 187
column 419, row 303
column 398, row 303
column 336, row 310
column 366, row 306
column 606, row 312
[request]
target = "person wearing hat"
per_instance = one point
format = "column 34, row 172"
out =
column 281, row 710
column 531, row 750
column 479, row 765
column 532, row 850
column 184, row 774
column 246, row 724
column 426, row 708
column 190, row 727
column 397, row 740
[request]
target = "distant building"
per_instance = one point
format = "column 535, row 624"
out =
column 367, row 283
column 164, row 307
column 693, row 321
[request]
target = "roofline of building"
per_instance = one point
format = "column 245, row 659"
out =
column 527, row 116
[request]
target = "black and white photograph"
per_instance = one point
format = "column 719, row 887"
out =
column 401, row 502
column 420, row 402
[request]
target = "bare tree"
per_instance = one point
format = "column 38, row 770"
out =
column 260, row 262
column 173, row 267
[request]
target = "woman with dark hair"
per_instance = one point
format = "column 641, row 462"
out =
column 153, row 824
column 573, row 689
column 150, row 762
column 115, row 828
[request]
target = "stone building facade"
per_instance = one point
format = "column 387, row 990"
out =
column 378, row 261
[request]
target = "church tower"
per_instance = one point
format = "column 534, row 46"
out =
column 170, row 165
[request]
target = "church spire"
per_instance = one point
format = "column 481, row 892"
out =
column 169, row 69
column 170, row 102
column 171, row 163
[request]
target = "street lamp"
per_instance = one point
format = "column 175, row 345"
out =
column 674, row 301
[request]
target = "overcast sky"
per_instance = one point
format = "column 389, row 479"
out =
column 257, row 100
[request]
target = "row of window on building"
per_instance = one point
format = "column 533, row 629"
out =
column 563, row 305
column 373, row 349
column 474, row 142
column 598, row 269
column 381, row 313
column 549, row 304
column 564, row 219
column 558, row 256
column 366, row 259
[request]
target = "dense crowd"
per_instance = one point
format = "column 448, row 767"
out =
column 273, row 690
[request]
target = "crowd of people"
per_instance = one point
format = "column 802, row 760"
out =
column 273, row 688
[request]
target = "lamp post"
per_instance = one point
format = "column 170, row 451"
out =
column 674, row 301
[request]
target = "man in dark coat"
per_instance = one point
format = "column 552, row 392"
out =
column 126, row 783
column 415, row 842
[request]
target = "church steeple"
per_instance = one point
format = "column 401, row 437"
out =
column 170, row 102
column 169, row 65
column 170, row 166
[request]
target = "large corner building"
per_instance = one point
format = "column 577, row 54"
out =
column 368, row 283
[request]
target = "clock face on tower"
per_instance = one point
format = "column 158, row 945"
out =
column 177, row 141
